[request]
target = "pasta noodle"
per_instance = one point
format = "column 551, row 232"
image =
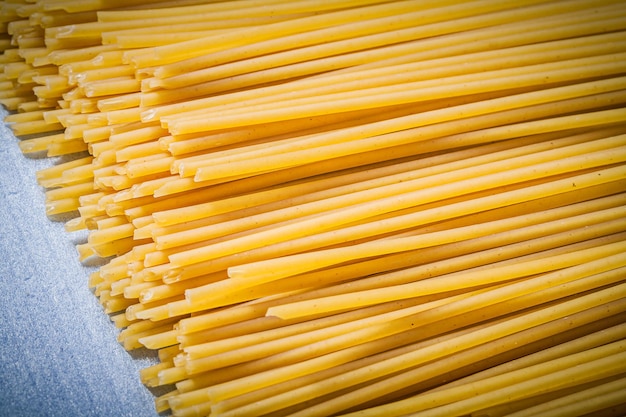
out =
column 349, row 207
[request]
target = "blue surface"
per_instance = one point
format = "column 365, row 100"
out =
column 58, row 350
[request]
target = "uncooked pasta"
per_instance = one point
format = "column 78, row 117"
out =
column 349, row 207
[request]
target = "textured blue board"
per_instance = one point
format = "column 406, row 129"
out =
column 59, row 355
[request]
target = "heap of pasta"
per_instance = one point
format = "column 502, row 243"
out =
column 347, row 207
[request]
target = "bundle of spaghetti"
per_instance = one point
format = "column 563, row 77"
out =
column 359, row 207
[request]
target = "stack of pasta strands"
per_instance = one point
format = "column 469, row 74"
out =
column 346, row 207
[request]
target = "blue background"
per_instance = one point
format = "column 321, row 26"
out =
column 59, row 354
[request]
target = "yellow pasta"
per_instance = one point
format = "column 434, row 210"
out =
column 540, row 366
column 352, row 207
